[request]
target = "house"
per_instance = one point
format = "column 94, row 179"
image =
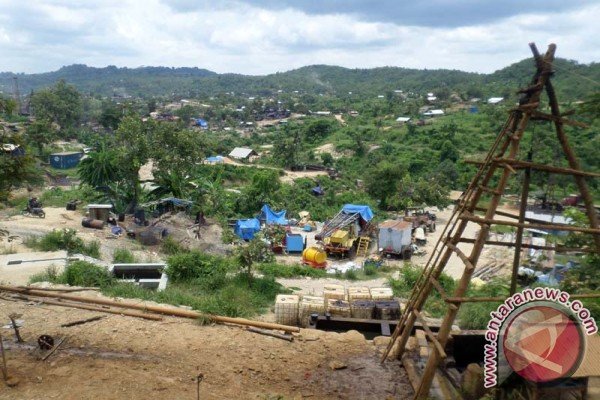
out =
column 322, row 113
column 243, row 153
column 433, row 113
column 495, row 100
column 402, row 120
column 431, row 99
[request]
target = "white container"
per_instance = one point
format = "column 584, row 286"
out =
column 384, row 293
column 358, row 293
column 310, row 305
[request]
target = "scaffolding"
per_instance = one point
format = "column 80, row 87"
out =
column 491, row 180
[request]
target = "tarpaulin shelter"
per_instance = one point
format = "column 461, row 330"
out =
column 272, row 217
column 247, row 228
column 201, row 123
column 214, row 160
column 318, row 191
column 364, row 211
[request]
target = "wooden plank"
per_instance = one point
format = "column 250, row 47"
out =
column 430, row 335
column 411, row 371
column 558, row 249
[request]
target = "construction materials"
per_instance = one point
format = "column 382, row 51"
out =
column 332, row 291
column 294, row 243
column 153, row 309
column 382, row 293
column 387, row 310
column 310, row 305
column 358, row 293
column 10, row 381
column 363, row 309
column 286, row 309
column 395, row 238
column 289, row 338
column 314, row 257
column 340, row 308
column 99, row 309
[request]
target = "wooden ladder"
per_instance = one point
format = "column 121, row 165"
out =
column 499, row 165
column 363, row 246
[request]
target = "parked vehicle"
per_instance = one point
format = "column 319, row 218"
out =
column 395, row 238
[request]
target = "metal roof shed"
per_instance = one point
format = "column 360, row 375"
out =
column 242, row 153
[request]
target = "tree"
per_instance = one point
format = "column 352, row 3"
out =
column 16, row 168
column 133, row 149
column 100, row 168
column 383, row 180
column 448, row 151
column 327, row 159
column 7, row 106
column 256, row 251
column 40, row 133
column 61, row 104
column 110, row 116
column 421, row 191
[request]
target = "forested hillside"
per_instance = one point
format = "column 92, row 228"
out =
column 193, row 82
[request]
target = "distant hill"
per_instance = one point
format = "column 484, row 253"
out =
column 572, row 80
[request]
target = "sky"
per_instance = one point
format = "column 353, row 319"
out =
column 267, row 36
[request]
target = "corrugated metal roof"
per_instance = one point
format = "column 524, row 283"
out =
column 241, row 152
column 395, row 224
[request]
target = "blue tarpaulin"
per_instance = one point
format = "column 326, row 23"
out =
column 364, row 211
column 214, row 160
column 201, row 123
column 246, row 228
column 271, row 217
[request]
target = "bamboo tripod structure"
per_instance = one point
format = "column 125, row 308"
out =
column 500, row 163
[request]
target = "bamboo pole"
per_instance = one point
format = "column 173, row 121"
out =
column 490, row 221
column 99, row 309
column 152, row 309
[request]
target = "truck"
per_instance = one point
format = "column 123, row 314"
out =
column 395, row 238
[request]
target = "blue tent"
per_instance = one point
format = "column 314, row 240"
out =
column 318, row 191
column 271, row 217
column 201, row 122
column 364, row 211
column 214, row 160
column 246, row 228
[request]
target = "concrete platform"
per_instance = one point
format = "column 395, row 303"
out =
column 16, row 269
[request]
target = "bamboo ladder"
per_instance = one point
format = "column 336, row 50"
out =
column 501, row 159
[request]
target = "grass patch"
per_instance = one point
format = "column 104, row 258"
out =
column 123, row 256
column 403, row 287
column 65, row 239
column 236, row 296
column 77, row 273
column 277, row 270
column 477, row 315
column 171, row 247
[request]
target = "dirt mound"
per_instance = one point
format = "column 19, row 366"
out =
column 206, row 237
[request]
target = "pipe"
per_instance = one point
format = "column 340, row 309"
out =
column 153, row 309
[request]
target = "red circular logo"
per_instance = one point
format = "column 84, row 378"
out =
column 543, row 343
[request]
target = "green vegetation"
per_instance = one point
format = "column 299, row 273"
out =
column 403, row 287
column 64, row 239
column 76, row 273
column 123, row 256
column 276, row 270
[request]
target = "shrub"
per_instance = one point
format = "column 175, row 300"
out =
column 351, row 275
column 65, row 239
column 194, row 265
column 83, row 273
column 171, row 247
column 123, row 256
column 49, row 275
column 370, row 269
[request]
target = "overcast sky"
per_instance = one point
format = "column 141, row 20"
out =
column 266, row 36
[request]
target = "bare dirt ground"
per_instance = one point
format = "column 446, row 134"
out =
column 121, row 357
column 455, row 266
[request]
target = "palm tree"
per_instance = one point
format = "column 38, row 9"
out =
column 100, row 168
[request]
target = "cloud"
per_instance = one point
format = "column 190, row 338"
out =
column 264, row 37
column 430, row 13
